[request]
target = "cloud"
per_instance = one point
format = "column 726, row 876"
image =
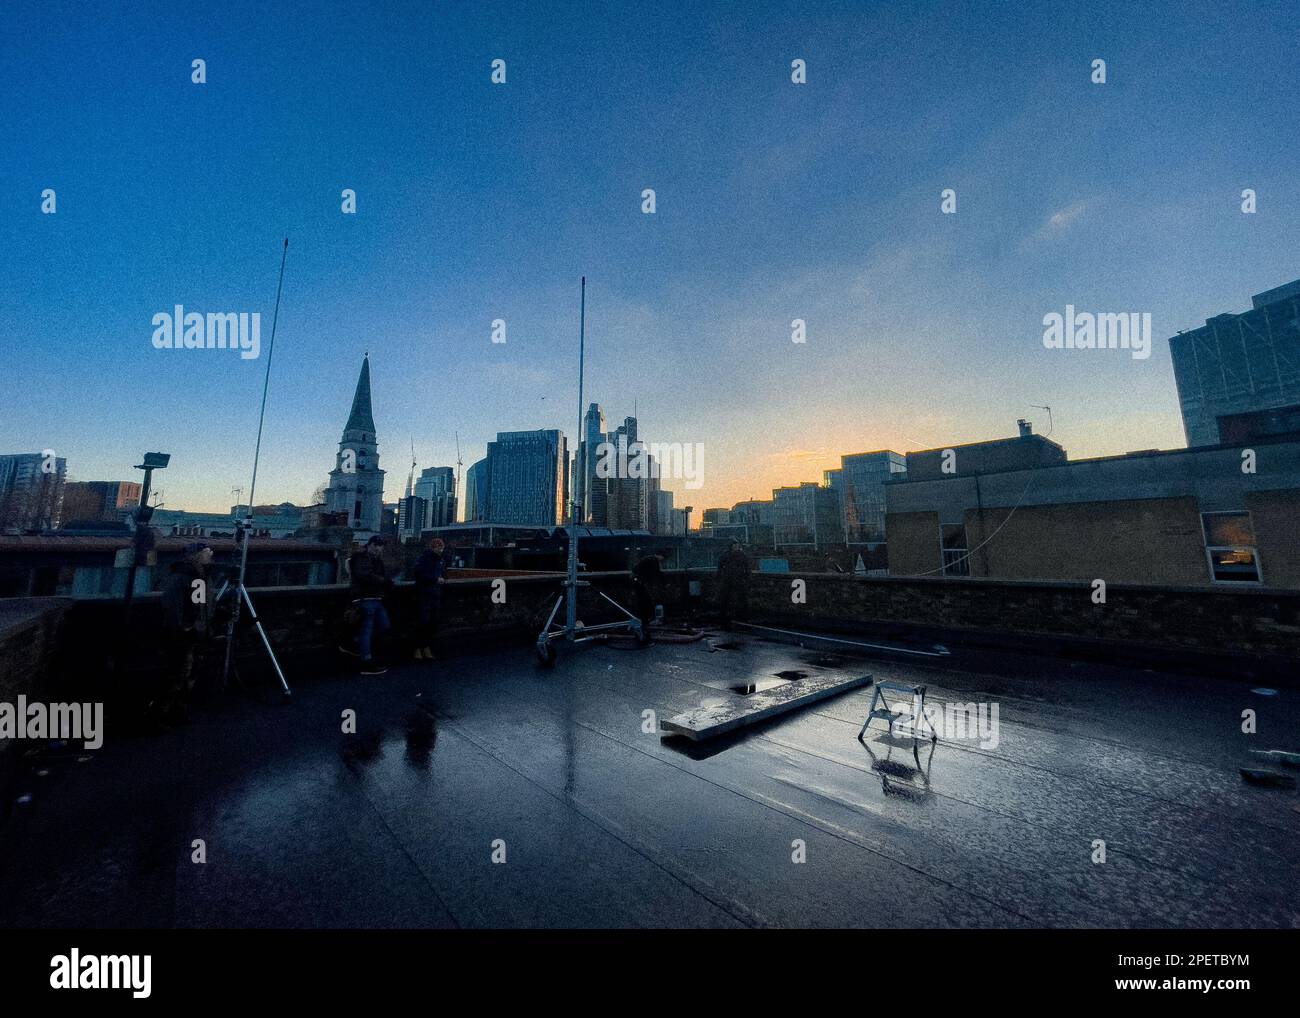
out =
column 1058, row 222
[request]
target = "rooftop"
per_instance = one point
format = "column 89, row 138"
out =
column 605, row 825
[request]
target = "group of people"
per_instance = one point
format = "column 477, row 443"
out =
column 187, row 611
column 371, row 582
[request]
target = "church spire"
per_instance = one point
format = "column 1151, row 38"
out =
column 361, row 418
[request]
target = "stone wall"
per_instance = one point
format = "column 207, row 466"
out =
column 1138, row 623
column 31, row 634
column 103, row 656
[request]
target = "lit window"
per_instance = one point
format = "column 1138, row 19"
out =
column 1230, row 547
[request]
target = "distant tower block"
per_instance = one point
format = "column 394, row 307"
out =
column 356, row 483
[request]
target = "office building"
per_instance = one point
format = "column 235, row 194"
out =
column 31, row 491
column 476, row 492
column 1179, row 517
column 807, row 514
column 98, row 501
column 1238, row 363
column 437, row 486
column 527, row 478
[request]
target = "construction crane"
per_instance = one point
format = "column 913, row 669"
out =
column 410, row 478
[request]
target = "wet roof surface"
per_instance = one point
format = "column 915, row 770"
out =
column 605, row 825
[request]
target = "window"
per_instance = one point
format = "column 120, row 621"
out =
column 956, row 561
column 1230, row 547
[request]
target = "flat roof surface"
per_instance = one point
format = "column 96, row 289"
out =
column 605, row 825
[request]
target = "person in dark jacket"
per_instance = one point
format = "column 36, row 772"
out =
column 646, row 574
column 733, row 583
column 430, row 572
column 186, row 619
column 370, row 583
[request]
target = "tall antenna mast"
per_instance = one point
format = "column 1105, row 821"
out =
column 571, row 608
column 574, row 631
column 459, row 494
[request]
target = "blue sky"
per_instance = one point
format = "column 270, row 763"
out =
column 479, row 201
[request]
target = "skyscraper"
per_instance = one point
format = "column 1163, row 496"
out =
column 625, row 495
column 1237, row 363
column 437, row 486
column 860, row 481
column 528, row 478
column 356, row 483
column 589, row 491
column 476, row 492
column 31, row 490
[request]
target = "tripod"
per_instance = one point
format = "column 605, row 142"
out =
column 242, row 597
column 243, row 526
column 572, row 628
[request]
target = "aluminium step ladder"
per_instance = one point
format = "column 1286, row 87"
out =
column 887, row 712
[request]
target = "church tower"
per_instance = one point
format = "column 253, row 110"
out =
column 356, row 483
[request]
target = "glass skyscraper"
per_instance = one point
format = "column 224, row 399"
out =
column 527, row 478
column 1236, row 363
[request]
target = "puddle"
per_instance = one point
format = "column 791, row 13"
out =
column 726, row 645
column 791, row 676
column 894, row 769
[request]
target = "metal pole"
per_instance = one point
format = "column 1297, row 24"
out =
column 571, row 609
column 252, row 490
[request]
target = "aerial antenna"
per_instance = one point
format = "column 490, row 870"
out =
column 459, row 494
column 1050, row 425
column 571, row 629
column 242, row 527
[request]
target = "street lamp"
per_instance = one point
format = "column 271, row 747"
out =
column 152, row 461
column 142, row 539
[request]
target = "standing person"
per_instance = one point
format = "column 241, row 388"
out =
column 430, row 572
column 645, row 574
column 370, row 583
column 185, row 619
column 733, row 583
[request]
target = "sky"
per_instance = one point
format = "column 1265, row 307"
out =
column 478, row 201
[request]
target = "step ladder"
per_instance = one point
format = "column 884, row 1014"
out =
column 888, row 713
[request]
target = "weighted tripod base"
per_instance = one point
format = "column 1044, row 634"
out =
column 553, row 632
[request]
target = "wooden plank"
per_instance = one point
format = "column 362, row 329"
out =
column 706, row 722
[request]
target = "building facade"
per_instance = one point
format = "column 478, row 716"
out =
column 356, row 485
column 527, row 478
column 476, row 492
column 807, row 514
column 1184, row 517
column 99, row 501
column 589, row 491
column 31, row 491
column 437, row 486
column 860, row 482
column 1237, row 363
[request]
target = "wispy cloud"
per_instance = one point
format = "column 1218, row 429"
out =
column 1060, row 221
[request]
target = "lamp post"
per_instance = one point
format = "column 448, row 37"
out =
column 152, row 461
column 141, row 539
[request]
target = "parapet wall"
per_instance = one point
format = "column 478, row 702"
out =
column 92, row 650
